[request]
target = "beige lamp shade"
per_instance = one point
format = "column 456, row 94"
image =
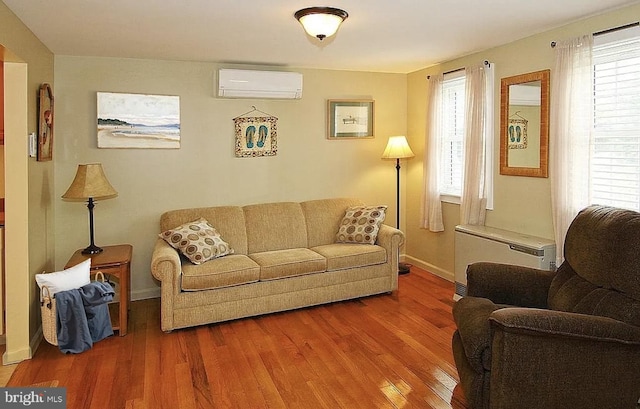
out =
column 90, row 182
column 397, row 148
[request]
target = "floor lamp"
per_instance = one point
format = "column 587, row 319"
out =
column 398, row 148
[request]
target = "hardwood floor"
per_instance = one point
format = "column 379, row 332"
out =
column 387, row 351
column 5, row 370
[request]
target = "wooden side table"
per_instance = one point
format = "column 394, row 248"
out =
column 113, row 261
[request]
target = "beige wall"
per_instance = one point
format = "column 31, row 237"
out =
column 521, row 204
column 204, row 171
column 28, row 184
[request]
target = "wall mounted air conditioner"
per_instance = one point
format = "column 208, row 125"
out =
column 481, row 243
column 259, row 84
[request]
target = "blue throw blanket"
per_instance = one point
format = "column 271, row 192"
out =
column 83, row 316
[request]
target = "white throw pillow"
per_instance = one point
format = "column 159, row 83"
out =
column 69, row 279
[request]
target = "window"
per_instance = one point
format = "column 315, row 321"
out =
column 452, row 137
column 615, row 148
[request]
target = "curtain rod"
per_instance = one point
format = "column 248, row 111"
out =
column 460, row 69
column 609, row 30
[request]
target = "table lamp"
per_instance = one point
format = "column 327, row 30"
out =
column 398, row 148
column 90, row 184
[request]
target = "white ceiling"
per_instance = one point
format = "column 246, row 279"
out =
column 380, row 35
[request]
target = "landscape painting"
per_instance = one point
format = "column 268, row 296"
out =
column 138, row 121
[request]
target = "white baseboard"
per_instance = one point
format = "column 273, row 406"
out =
column 447, row 275
column 15, row 357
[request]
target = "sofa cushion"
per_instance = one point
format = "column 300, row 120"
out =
column 275, row 226
column 288, row 263
column 234, row 269
column 341, row 256
column 323, row 217
column 197, row 240
column 361, row 224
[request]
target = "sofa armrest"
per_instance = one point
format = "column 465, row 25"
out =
column 388, row 237
column 509, row 284
column 166, row 267
column 391, row 239
column 552, row 359
column 165, row 261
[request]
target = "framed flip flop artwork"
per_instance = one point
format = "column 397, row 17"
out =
column 517, row 133
column 256, row 136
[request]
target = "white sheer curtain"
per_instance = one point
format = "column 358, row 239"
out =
column 431, row 205
column 478, row 127
column 570, row 125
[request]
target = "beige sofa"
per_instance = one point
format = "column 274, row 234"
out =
column 285, row 257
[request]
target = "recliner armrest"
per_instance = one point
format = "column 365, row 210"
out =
column 509, row 284
column 535, row 321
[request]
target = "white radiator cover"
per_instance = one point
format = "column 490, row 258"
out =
column 481, row 243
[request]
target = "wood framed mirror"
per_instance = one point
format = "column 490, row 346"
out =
column 524, row 124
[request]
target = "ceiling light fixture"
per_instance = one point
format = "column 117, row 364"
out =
column 321, row 22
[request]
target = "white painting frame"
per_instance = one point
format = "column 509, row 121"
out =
column 138, row 121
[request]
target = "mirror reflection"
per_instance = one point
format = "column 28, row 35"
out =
column 524, row 124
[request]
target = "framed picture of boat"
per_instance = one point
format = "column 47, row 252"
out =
column 350, row 118
column 138, row 121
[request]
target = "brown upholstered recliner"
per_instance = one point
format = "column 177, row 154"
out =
column 530, row 339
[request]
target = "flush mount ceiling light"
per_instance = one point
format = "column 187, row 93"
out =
column 321, row 22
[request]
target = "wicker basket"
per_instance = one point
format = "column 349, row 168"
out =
column 49, row 316
column 49, row 313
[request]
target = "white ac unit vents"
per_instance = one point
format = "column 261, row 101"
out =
column 259, row 84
